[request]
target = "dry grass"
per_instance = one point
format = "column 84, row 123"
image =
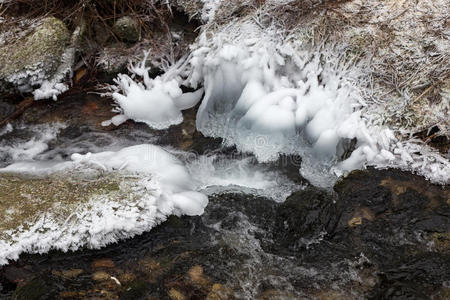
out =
column 155, row 19
column 149, row 13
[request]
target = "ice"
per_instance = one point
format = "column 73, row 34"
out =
column 271, row 94
column 143, row 159
column 153, row 185
column 217, row 174
column 157, row 103
column 188, row 100
column 49, row 90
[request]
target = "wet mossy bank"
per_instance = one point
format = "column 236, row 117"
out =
column 382, row 234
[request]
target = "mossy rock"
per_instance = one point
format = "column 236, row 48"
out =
column 24, row 198
column 34, row 58
column 33, row 290
column 127, row 29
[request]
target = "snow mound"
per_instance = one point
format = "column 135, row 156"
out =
column 152, row 184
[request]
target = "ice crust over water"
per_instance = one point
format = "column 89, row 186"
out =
column 155, row 184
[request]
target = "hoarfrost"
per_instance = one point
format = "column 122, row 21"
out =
column 153, row 185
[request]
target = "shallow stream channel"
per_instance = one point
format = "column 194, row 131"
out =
column 265, row 233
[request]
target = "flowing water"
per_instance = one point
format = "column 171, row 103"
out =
column 265, row 234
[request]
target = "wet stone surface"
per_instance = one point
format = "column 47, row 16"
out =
column 379, row 235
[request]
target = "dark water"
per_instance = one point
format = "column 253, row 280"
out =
column 379, row 234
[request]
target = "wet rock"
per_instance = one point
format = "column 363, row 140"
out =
column 100, row 276
column 17, row 275
column 103, row 263
column 150, row 267
column 72, row 295
column 27, row 62
column 72, row 273
column 35, row 289
column 126, row 278
column 259, row 210
column 305, row 214
column 176, row 295
column 80, row 111
column 127, row 29
column 6, row 109
column 414, row 277
column 196, row 276
column 220, row 292
column 398, row 215
column 441, row 241
column 135, row 290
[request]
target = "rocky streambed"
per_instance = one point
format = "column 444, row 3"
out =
column 75, row 228
column 378, row 234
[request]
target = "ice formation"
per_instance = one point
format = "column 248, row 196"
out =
column 268, row 94
column 214, row 174
column 53, row 87
column 153, row 185
column 157, row 102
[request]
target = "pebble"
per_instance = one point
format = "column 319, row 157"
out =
column 100, row 276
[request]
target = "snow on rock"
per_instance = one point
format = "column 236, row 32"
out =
column 35, row 60
column 144, row 185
